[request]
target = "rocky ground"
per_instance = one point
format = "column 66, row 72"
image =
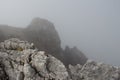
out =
column 20, row 60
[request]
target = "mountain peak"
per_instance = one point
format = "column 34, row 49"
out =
column 38, row 23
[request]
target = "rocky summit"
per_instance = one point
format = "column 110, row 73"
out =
column 21, row 60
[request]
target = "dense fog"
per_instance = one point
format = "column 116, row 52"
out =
column 91, row 25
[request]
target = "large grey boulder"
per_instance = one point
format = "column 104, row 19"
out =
column 22, row 61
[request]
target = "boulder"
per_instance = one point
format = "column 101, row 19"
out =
column 28, row 63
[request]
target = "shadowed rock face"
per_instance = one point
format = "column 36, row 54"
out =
column 43, row 34
column 73, row 56
column 3, row 75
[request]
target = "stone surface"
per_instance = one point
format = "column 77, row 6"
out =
column 94, row 71
column 28, row 63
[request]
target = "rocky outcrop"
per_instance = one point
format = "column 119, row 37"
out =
column 23, row 62
column 94, row 71
column 43, row 34
column 20, row 60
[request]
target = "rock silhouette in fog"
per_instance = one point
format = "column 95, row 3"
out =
column 43, row 34
column 75, row 54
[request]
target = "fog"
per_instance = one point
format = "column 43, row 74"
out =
column 91, row 25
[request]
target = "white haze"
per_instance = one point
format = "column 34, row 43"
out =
column 91, row 25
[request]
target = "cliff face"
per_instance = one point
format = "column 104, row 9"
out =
column 43, row 34
column 20, row 60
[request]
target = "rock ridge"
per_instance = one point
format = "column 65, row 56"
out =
column 20, row 60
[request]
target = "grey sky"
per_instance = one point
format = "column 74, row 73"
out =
column 92, row 25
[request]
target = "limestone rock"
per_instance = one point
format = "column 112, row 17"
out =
column 95, row 71
column 15, row 44
column 32, row 64
column 28, row 64
column 56, row 68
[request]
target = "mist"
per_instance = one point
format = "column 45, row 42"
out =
column 91, row 25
